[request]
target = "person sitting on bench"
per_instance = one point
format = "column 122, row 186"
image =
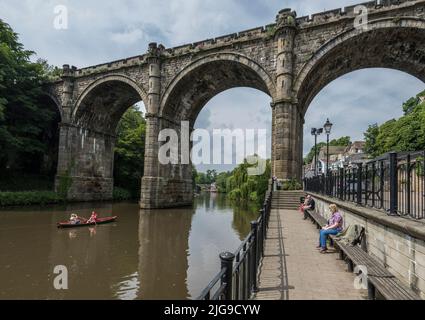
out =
column 334, row 227
column 310, row 204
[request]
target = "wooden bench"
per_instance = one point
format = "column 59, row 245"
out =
column 379, row 278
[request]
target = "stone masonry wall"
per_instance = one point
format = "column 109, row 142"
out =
column 402, row 254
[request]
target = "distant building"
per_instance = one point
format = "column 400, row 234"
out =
column 213, row 188
column 339, row 157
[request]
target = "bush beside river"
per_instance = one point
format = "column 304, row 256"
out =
column 42, row 198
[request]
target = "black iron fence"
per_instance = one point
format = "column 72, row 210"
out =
column 237, row 279
column 394, row 183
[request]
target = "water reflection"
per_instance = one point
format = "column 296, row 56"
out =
column 163, row 251
column 160, row 254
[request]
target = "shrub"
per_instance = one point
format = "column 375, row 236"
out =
column 235, row 194
column 29, row 198
column 121, row 194
column 13, row 183
column 254, row 197
column 292, row 185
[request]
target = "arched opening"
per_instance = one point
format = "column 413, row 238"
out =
column 352, row 72
column 129, row 151
column 103, row 104
column 110, row 117
column 395, row 47
column 354, row 102
column 195, row 86
column 187, row 95
column 242, row 109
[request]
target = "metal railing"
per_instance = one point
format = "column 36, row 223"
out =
column 237, row 279
column 394, row 183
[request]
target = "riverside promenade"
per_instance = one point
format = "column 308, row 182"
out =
column 293, row 269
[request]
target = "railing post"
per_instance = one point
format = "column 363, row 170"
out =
column 423, row 185
column 264, row 232
column 382, row 184
column 254, row 229
column 409, row 185
column 341, row 183
column 393, row 183
column 359, row 183
column 227, row 259
column 373, row 184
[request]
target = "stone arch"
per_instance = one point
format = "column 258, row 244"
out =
column 103, row 102
column 55, row 101
column 208, row 76
column 388, row 43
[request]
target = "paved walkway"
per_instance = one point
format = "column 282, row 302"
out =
column 293, row 269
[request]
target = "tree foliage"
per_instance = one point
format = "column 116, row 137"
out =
column 26, row 120
column 206, row 178
column 405, row 134
column 238, row 184
column 130, row 151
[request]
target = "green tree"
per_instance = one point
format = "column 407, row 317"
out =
column 130, row 151
column 243, row 187
column 371, row 136
column 405, row 134
column 24, row 117
column 211, row 176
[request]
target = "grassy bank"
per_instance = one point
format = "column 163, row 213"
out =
column 42, row 198
column 9, row 199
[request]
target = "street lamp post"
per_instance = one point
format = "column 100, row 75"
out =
column 316, row 132
column 328, row 128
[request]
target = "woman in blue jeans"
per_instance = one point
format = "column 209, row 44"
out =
column 335, row 226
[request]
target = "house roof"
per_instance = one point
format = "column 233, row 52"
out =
column 358, row 144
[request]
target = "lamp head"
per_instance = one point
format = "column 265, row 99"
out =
column 328, row 127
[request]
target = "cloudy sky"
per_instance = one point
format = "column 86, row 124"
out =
column 101, row 31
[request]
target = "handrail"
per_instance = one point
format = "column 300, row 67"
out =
column 212, row 284
column 394, row 183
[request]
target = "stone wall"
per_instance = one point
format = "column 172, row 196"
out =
column 398, row 243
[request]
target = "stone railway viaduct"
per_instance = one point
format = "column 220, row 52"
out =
column 291, row 60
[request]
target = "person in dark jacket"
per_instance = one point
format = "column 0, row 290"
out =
column 310, row 205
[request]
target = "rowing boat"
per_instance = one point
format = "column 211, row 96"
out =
column 68, row 224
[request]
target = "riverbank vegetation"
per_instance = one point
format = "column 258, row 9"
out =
column 8, row 199
column 238, row 184
column 405, row 134
column 28, row 120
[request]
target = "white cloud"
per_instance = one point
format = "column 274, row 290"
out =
column 127, row 37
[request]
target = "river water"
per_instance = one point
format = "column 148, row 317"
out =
column 158, row 254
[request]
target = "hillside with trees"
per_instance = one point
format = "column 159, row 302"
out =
column 405, row 134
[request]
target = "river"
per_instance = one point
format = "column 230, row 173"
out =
column 158, row 254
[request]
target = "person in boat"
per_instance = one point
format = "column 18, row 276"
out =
column 75, row 219
column 93, row 218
